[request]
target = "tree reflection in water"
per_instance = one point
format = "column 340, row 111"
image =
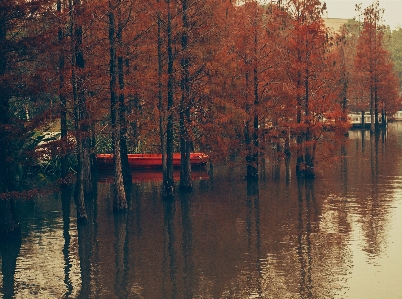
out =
column 122, row 255
column 169, row 251
column 85, row 247
column 281, row 237
column 66, row 210
column 9, row 250
column 189, row 280
column 304, row 234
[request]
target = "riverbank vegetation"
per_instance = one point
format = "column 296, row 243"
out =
column 228, row 78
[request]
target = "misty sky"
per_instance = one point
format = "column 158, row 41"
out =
column 346, row 9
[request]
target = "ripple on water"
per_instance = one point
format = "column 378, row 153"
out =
column 45, row 269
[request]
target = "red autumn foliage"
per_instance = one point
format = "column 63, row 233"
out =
column 241, row 80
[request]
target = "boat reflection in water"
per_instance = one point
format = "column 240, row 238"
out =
column 152, row 175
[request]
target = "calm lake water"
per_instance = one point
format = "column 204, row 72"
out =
column 338, row 236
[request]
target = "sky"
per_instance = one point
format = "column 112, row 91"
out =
column 346, row 10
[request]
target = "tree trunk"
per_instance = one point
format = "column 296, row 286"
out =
column 94, row 163
column 383, row 118
column 255, row 147
column 120, row 201
column 287, row 143
column 299, row 136
column 344, row 82
column 78, row 64
column 168, row 184
column 372, row 124
column 86, row 154
column 309, row 171
column 62, row 97
column 7, row 168
column 79, row 196
column 123, row 122
column 185, row 166
column 7, row 172
column 9, row 224
column 250, row 174
column 160, row 99
column 377, row 124
column 250, row 171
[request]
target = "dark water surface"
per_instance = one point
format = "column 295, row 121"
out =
column 338, row 236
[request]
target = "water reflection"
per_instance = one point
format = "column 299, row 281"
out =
column 254, row 237
column 282, row 237
column 9, row 250
column 66, row 210
column 304, row 236
column 344, row 168
column 189, row 280
column 122, row 255
column 86, row 242
column 169, row 251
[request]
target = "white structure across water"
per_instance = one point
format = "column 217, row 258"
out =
column 356, row 118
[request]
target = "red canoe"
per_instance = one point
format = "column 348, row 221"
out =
column 150, row 160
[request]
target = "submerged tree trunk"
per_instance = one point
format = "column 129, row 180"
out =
column 9, row 224
column 249, row 155
column 287, row 143
column 250, row 133
column 376, row 112
column 120, row 201
column 94, row 163
column 372, row 123
column 62, row 97
column 7, row 168
column 309, row 171
column 383, row 118
column 81, row 117
column 185, row 166
column 299, row 131
column 122, row 105
column 79, row 196
column 247, row 135
column 252, row 155
column 256, row 146
column 168, row 184
column 344, row 83
column 160, row 99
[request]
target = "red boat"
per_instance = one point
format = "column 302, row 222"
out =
column 151, row 160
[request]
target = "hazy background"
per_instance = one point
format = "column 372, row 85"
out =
column 346, row 9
